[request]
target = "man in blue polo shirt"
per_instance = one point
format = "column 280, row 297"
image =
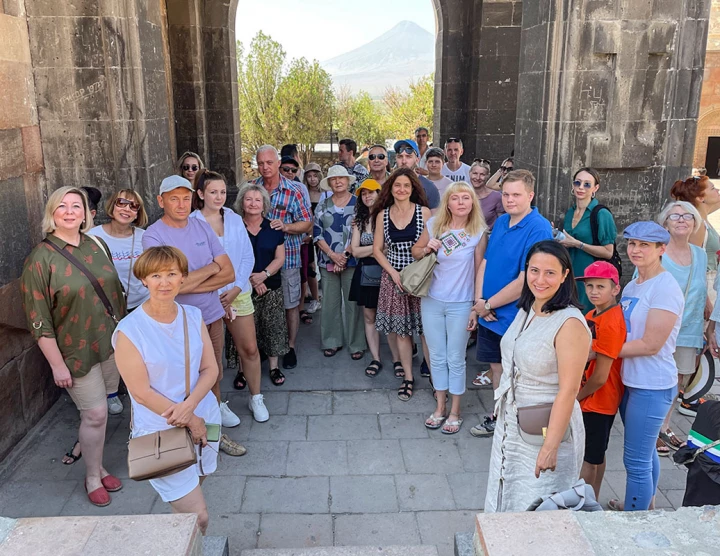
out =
column 501, row 275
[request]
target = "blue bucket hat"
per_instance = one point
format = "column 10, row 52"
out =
column 647, row 231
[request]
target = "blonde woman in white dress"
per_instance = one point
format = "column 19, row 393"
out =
column 548, row 342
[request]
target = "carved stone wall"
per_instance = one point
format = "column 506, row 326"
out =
column 709, row 119
column 613, row 84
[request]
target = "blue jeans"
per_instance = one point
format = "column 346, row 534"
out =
column 445, row 326
column 643, row 412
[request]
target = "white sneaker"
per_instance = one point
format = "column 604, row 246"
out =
column 115, row 405
column 229, row 419
column 313, row 306
column 257, row 406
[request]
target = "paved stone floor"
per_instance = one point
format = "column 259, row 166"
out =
column 342, row 461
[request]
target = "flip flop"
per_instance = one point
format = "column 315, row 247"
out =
column 72, row 456
column 662, row 449
column 433, row 422
column 670, row 439
column 456, row 423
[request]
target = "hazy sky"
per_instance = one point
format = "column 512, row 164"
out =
column 322, row 29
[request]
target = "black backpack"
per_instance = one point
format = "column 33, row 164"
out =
column 615, row 260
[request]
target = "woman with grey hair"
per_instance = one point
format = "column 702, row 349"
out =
column 687, row 263
column 253, row 202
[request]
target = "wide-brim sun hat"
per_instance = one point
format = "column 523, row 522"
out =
column 647, row 230
column 336, row 171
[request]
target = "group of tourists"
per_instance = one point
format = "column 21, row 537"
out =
column 156, row 305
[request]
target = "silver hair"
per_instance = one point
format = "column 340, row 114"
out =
column 264, row 148
column 663, row 216
column 249, row 186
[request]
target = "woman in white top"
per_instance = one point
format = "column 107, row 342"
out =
column 457, row 234
column 208, row 204
column 651, row 303
column 150, row 354
column 123, row 236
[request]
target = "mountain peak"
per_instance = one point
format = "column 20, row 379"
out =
column 400, row 55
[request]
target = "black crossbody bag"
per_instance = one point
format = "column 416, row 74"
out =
column 89, row 275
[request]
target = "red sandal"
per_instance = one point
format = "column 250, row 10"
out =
column 111, row 483
column 98, row 497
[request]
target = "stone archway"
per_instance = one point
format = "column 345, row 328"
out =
column 708, row 126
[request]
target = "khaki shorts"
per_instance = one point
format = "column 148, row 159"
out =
column 91, row 390
column 685, row 358
column 243, row 305
column 291, row 287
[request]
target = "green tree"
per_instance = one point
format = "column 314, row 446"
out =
column 359, row 117
column 406, row 110
column 260, row 74
column 305, row 102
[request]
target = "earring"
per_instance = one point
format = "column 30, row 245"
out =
column 593, row 195
column 144, row 284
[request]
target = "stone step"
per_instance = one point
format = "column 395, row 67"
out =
column 215, row 546
column 424, row 550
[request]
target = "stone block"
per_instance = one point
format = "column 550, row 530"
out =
column 88, row 144
column 71, row 42
column 181, row 12
column 13, row 419
column 365, row 402
column 75, row 94
column 215, row 546
column 45, row 8
column 241, row 530
column 13, row 225
column 439, row 528
column 374, row 457
column 15, row 8
column 377, row 530
column 362, row 494
column 343, row 427
column 262, row 458
column 215, row 45
column 424, row 492
column 17, row 109
column 317, row 458
column 12, row 157
column 426, row 456
column 152, row 50
column 496, row 14
column 403, row 425
column 286, row 495
column 310, row 403
column 39, row 392
column 464, row 545
column 16, row 48
column 32, row 148
column 295, row 531
column 385, row 550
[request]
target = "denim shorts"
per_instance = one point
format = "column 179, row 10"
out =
column 488, row 345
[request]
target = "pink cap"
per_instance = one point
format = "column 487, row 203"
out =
column 601, row 269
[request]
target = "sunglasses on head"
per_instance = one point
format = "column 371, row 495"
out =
column 289, row 169
column 193, row 167
column 482, row 160
column 453, row 140
column 406, row 150
column 127, row 203
column 377, row 156
column 506, row 168
column 585, row 184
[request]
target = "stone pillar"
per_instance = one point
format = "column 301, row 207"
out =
column 100, row 83
column 612, row 84
column 496, row 59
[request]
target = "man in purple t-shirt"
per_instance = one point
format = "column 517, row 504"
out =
column 210, row 269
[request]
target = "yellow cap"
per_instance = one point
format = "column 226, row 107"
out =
column 369, row 184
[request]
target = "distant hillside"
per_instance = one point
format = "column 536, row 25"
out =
column 401, row 55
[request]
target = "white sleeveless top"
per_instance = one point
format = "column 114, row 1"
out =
column 162, row 347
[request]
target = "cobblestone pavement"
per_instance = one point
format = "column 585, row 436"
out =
column 342, row 461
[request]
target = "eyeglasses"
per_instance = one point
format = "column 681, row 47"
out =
column 127, row 203
column 289, row 169
column 406, row 150
column 193, row 167
column 585, row 184
column 377, row 156
column 685, row 216
column 506, row 168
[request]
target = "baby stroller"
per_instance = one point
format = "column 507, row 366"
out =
column 701, row 455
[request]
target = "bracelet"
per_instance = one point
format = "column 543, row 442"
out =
column 582, row 246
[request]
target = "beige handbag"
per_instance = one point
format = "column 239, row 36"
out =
column 163, row 453
column 416, row 276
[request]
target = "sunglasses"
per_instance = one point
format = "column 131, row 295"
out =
column 193, row 167
column 506, row 168
column 289, row 169
column 453, row 140
column 685, row 216
column 482, row 160
column 377, row 156
column 406, row 150
column 585, row 184
column 127, row 203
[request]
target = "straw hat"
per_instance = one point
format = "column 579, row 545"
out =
column 336, row 171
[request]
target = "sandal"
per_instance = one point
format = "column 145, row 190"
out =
column 457, row 423
column 615, row 505
column 433, row 422
column 398, row 369
column 482, row 379
column 240, row 382
column 670, row 439
column 405, row 392
column 306, row 317
column 331, row 351
column 357, row 355
column 662, row 449
column 277, row 378
column 72, row 458
column 373, row 368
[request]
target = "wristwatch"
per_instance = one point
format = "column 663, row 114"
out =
column 267, row 272
column 347, row 254
column 487, row 306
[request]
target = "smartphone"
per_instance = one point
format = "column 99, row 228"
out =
column 330, row 267
column 213, row 432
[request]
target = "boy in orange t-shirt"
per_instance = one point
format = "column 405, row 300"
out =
column 602, row 388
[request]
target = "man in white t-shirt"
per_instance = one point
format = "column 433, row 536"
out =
column 422, row 138
column 454, row 168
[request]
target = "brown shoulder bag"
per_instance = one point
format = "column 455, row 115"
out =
column 163, row 453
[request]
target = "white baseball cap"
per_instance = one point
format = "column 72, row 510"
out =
column 173, row 182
